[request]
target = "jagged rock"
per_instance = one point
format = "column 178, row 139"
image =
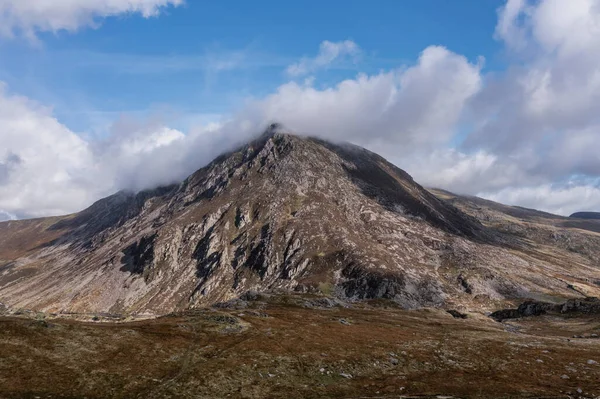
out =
column 531, row 308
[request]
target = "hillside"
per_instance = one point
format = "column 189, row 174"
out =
column 586, row 215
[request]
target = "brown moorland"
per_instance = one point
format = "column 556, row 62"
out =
column 299, row 346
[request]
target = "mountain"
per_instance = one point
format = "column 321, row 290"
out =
column 290, row 213
column 586, row 215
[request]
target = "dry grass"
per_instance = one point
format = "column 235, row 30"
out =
column 299, row 352
column 19, row 237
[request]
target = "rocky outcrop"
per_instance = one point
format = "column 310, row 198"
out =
column 536, row 308
column 528, row 308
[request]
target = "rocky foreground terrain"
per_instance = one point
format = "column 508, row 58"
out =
column 293, row 267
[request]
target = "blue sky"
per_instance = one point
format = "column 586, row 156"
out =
column 207, row 58
column 499, row 99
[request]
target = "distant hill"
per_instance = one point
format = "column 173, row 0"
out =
column 586, row 215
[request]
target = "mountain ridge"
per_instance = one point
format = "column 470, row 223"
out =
column 586, row 215
column 282, row 212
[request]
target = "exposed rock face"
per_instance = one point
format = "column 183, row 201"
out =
column 283, row 212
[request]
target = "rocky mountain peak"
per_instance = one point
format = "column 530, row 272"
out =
column 282, row 212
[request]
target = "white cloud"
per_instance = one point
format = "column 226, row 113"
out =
column 47, row 169
column 30, row 16
column 329, row 53
column 415, row 106
column 542, row 116
column 449, row 168
column 50, row 157
column 562, row 200
column 566, row 28
column 559, row 87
